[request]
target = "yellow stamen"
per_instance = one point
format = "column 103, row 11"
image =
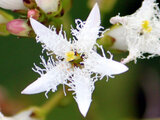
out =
column 146, row 27
column 70, row 56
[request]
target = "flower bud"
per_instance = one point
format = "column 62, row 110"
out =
column 18, row 27
column 33, row 13
column 48, row 6
column 116, row 34
column 29, row 3
column 12, row 4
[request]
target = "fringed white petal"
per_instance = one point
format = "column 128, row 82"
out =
column 103, row 65
column 147, row 10
column 83, row 85
column 46, row 82
column 50, row 78
column 12, row 4
column 48, row 5
column 54, row 42
column 87, row 32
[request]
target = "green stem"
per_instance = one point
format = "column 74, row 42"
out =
column 53, row 102
column 40, row 113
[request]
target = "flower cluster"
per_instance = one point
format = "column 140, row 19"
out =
column 138, row 33
column 77, row 63
column 41, row 10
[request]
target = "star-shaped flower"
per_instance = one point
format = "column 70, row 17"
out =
column 139, row 32
column 78, row 65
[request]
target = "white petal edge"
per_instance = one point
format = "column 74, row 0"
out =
column 94, row 17
column 87, row 33
column 103, row 65
column 83, row 86
column 46, row 82
column 112, row 67
column 12, row 4
column 42, row 84
column 54, row 42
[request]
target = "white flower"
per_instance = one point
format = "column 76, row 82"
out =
column 12, row 4
column 139, row 32
column 25, row 115
column 76, row 60
column 48, row 5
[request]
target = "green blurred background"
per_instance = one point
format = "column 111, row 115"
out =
column 134, row 94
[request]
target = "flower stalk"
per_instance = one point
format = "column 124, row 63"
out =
column 53, row 102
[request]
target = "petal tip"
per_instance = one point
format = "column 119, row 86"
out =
column 84, row 107
column 96, row 8
column 25, row 91
column 84, row 110
column 32, row 20
column 125, row 68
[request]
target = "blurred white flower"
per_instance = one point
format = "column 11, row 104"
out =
column 12, row 4
column 139, row 32
column 48, row 5
column 25, row 115
column 76, row 60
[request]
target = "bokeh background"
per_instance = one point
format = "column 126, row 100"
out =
column 132, row 95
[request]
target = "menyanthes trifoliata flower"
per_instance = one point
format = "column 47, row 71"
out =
column 78, row 65
column 139, row 33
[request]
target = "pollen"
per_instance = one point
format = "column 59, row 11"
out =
column 146, row 27
column 70, row 56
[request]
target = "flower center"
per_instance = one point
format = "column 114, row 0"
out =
column 70, row 56
column 146, row 27
column 74, row 59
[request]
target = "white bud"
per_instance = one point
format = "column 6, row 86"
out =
column 48, row 5
column 12, row 4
